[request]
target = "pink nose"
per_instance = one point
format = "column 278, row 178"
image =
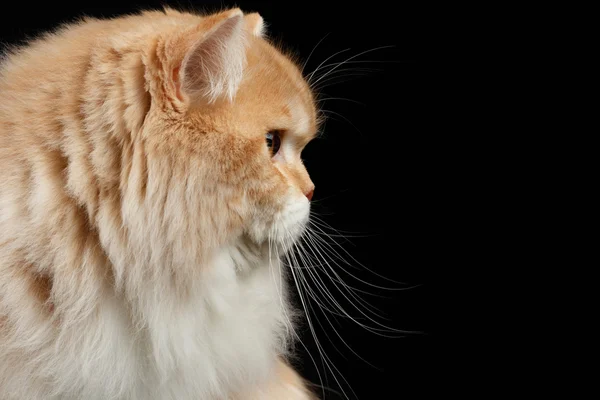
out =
column 309, row 195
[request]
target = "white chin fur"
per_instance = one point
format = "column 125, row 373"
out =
column 286, row 226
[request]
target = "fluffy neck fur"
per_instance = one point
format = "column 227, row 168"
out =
column 222, row 338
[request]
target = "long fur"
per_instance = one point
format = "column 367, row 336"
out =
column 140, row 206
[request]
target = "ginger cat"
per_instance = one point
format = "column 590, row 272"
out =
column 150, row 174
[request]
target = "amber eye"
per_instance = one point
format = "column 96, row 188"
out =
column 273, row 141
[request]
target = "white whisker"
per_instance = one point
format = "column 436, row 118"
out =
column 312, row 51
column 344, row 118
column 295, row 334
column 309, row 77
column 324, row 356
column 371, row 329
column 347, row 60
column 363, row 266
column 342, row 99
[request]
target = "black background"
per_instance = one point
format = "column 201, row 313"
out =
column 380, row 169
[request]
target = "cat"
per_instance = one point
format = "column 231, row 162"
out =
column 150, row 175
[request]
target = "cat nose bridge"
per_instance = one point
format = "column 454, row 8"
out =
column 298, row 176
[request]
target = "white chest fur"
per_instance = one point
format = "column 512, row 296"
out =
column 227, row 335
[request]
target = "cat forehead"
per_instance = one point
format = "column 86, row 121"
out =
column 295, row 94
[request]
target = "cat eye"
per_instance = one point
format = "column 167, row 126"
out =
column 273, row 141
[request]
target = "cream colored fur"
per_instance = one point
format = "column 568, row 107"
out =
column 141, row 213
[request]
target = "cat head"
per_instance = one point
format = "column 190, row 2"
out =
column 228, row 119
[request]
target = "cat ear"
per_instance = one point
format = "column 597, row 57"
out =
column 255, row 24
column 213, row 65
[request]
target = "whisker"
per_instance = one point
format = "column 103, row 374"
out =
column 361, row 302
column 346, row 285
column 309, row 77
column 289, row 324
column 330, row 297
column 344, row 118
column 350, row 291
column 324, row 356
column 340, row 98
column 305, row 256
column 321, row 242
column 365, row 62
column 312, row 51
column 347, row 60
column 306, row 283
column 309, row 290
column 339, row 72
column 342, row 339
column 314, row 217
column 295, row 334
column 360, row 264
column 335, row 80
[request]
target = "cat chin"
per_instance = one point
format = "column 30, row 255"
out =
column 284, row 227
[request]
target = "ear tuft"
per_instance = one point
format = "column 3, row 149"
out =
column 214, row 65
column 255, row 24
